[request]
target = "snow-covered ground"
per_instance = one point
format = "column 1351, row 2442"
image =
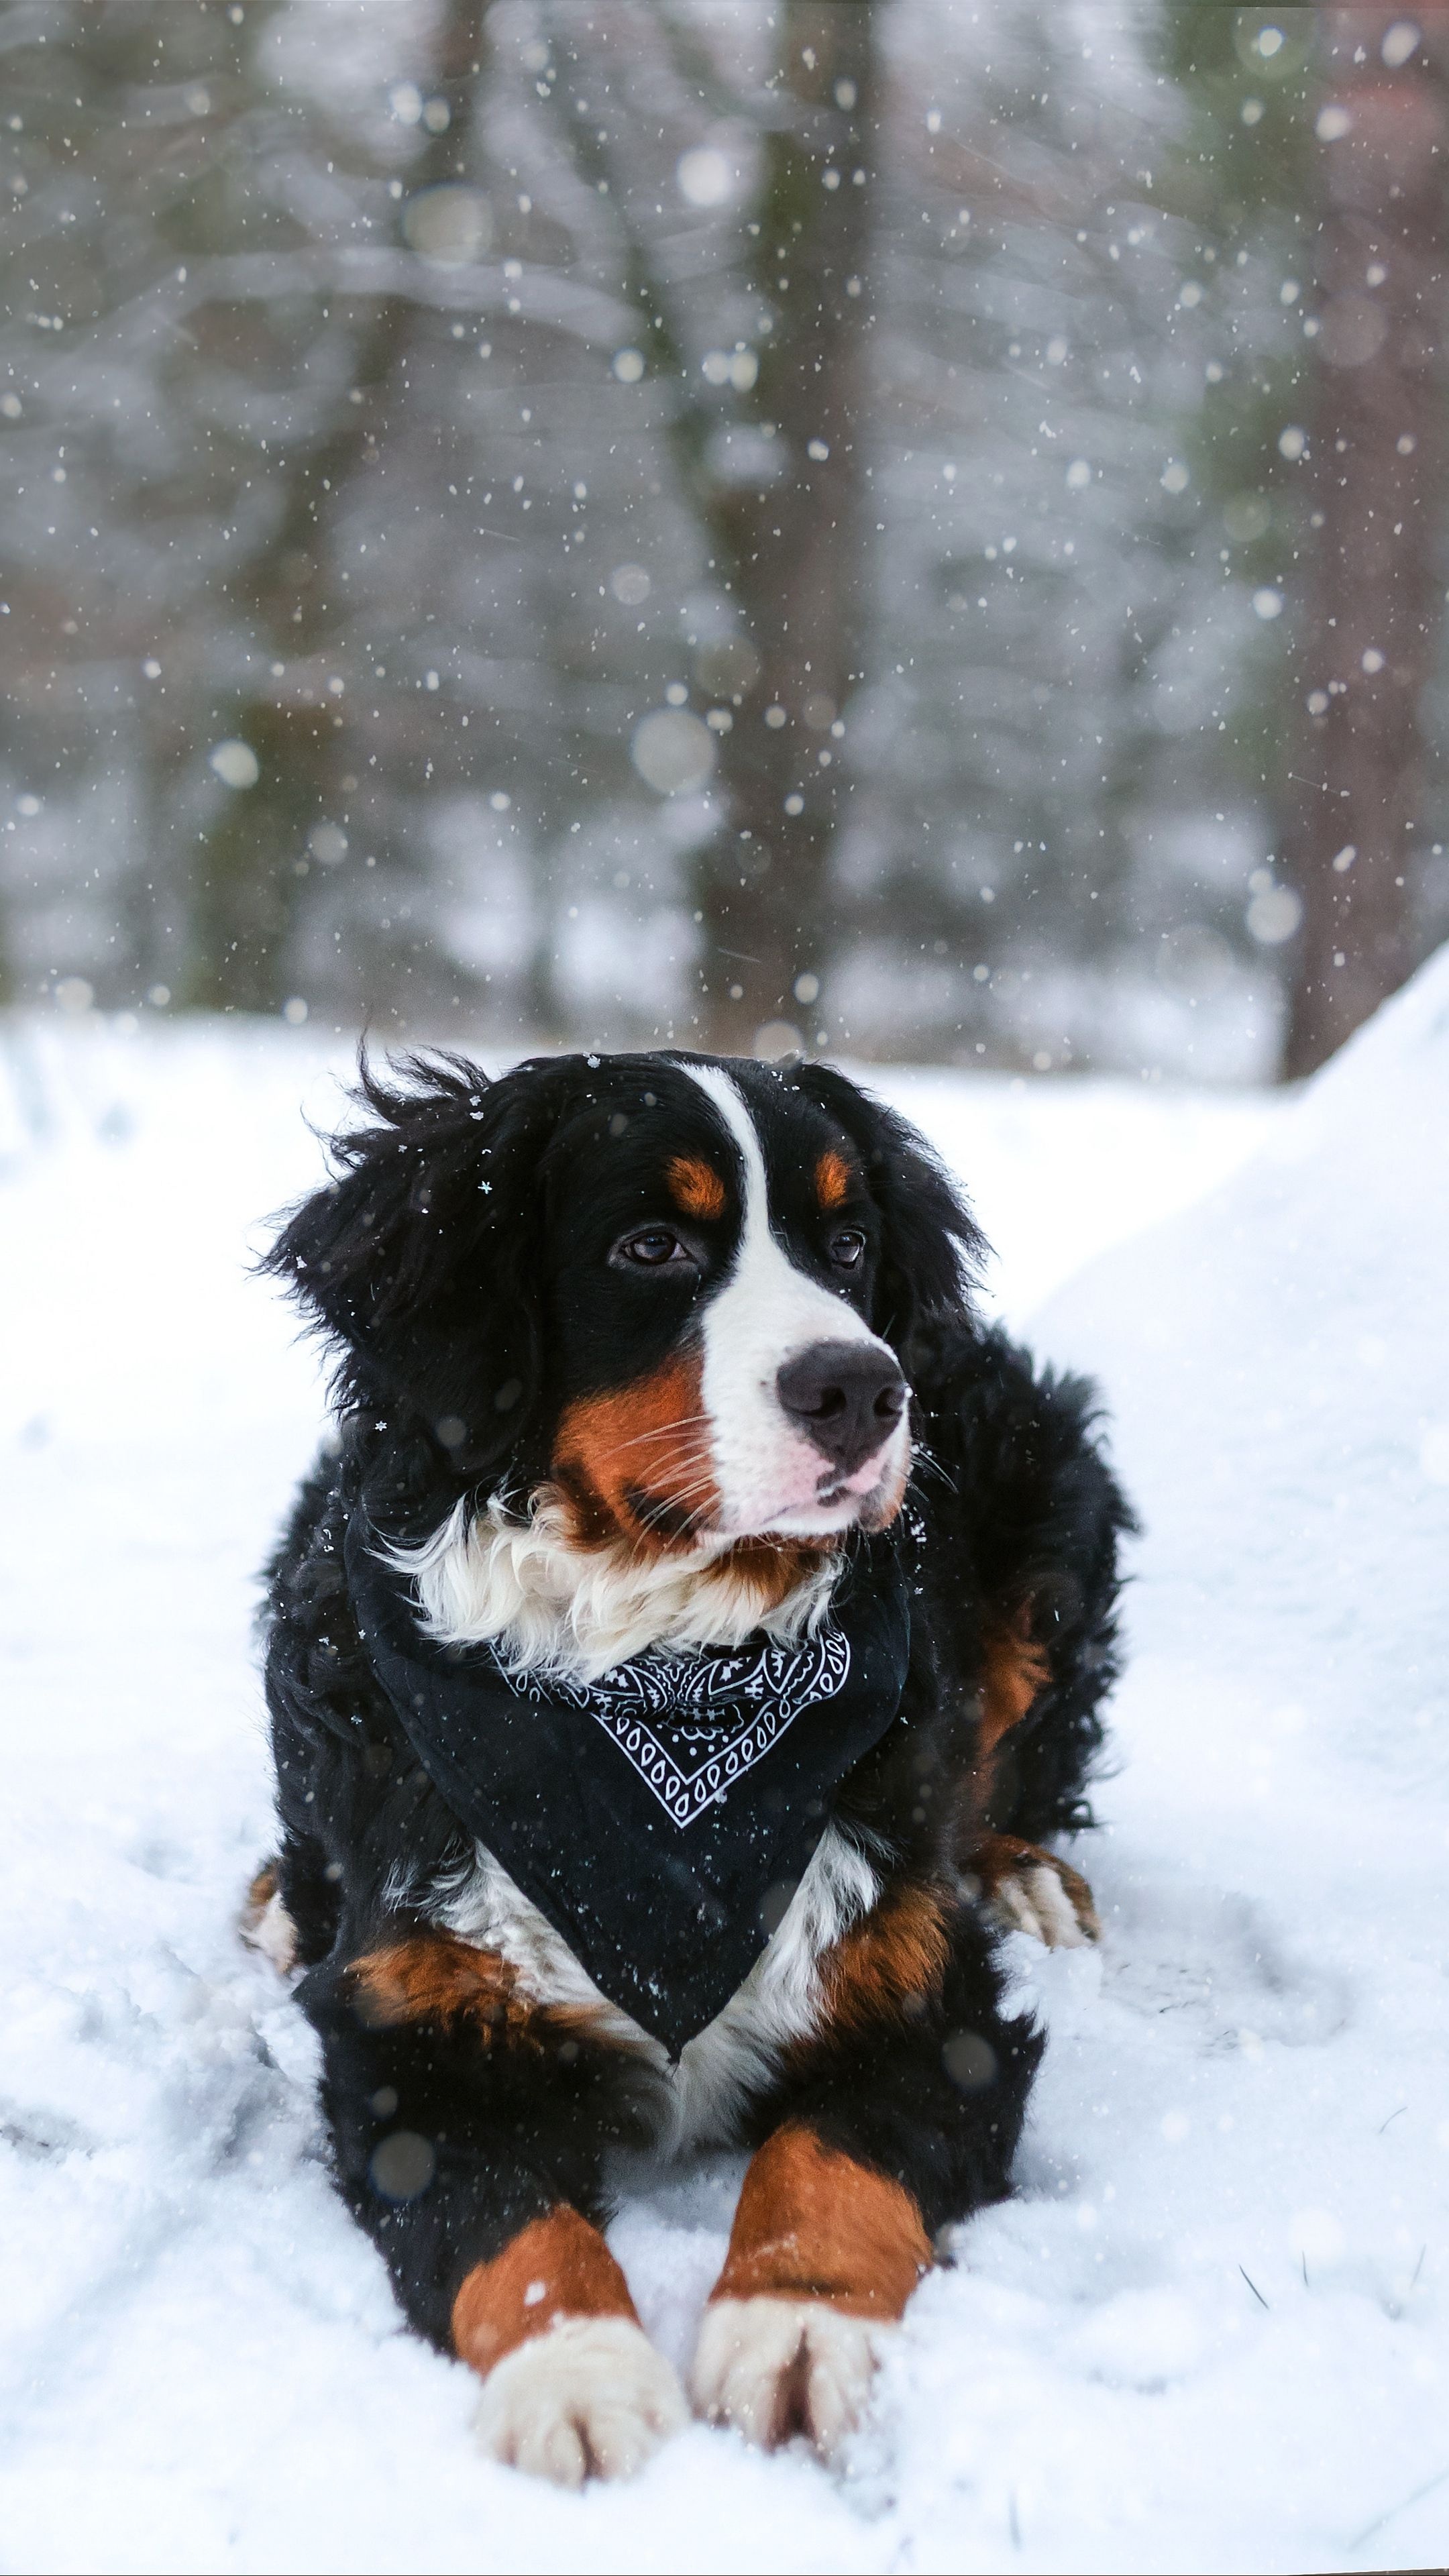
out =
column 1211, row 2330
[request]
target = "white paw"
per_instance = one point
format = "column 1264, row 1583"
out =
column 589, row 2399
column 773, row 2367
column 1034, row 1900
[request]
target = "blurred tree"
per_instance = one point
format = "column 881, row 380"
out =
column 1314, row 152
column 784, row 501
column 1055, row 656
column 1375, row 600
column 289, row 594
column 114, row 118
column 770, row 434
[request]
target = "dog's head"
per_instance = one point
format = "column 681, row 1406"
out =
column 678, row 1288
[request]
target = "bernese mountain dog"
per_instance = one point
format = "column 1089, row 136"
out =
column 679, row 1661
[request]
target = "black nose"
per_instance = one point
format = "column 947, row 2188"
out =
column 846, row 1396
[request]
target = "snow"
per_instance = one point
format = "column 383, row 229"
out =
column 1210, row 2331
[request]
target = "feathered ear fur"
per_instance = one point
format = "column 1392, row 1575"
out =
column 419, row 1260
column 933, row 1249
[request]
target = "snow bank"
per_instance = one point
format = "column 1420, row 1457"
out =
column 1248, row 2093
column 1211, row 2329
column 1292, row 1331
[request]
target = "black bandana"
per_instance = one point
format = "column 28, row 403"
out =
column 650, row 1815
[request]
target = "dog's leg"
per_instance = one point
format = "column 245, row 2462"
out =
column 824, row 2251
column 1023, row 1888
column 1025, row 1521
column 291, row 1909
column 572, row 2386
column 898, row 2116
column 468, row 2127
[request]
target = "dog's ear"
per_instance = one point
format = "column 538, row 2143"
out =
column 419, row 1261
column 933, row 1249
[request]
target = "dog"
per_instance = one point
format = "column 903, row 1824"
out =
column 694, row 1632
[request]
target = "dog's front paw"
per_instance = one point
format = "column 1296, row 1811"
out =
column 774, row 2367
column 1030, row 1890
column 265, row 1923
column 589, row 2399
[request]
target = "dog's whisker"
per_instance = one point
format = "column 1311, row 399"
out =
column 701, row 1457
column 932, row 1466
column 676, row 1500
column 697, row 1484
column 671, row 1514
column 664, row 1431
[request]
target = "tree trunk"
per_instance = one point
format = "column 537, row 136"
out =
column 793, row 546
column 246, row 891
column 1378, row 450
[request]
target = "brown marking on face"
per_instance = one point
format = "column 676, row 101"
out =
column 767, row 1570
column 695, row 1186
column 638, row 1460
column 991, row 1857
column 814, row 2224
column 891, row 1961
column 832, row 1179
column 557, row 2267
column 587, row 1520
column 434, row 1977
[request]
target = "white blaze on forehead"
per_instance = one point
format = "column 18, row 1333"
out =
column 766, row 1298
column 767, row 1312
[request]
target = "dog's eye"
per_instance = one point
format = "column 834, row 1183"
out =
column 847, row 1247
column 653, row 1248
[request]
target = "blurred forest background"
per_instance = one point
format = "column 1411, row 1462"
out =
column 903, row 525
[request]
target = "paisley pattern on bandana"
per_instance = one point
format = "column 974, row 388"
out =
column 693, row 1725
